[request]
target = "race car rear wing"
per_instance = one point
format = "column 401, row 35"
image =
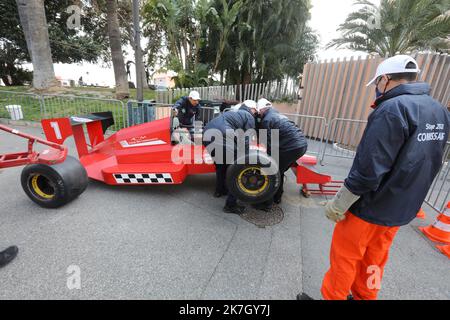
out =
column 59, row 129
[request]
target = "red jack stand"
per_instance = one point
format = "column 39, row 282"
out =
column 305, row 177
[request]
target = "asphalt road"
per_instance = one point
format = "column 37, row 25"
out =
column 174, row 242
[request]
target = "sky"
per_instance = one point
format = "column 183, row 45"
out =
column 326, row 16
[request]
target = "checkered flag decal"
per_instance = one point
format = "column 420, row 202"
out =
column 149, row 178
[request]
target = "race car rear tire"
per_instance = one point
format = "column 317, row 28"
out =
column 252, row 183
column 53, row 186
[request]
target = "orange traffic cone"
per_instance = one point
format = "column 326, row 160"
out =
column 421, row 214
column 440, row 231
column 445, row 250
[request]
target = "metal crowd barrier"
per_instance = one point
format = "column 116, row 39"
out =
column 60, row 106
column 206, row 114
column 33, row 107
column 313, row 128
column 146, row 111
column 438, row 196
column 343, row 137
column 20, row 106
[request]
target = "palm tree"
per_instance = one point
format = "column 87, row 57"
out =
column 267, row 34
column 203, row 10
column 197, row 77
column 397, row 26
column 115, row 43
column 167, row 15
column 225, row 22
column 34, row 25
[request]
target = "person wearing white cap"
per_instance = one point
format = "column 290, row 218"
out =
column 187, row 108
column 401, row 67
column 242, row 119
column 291, row 146
column 251, row 104
column 398, row 158
column 263, row 103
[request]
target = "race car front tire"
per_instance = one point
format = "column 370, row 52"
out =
column 53, row 186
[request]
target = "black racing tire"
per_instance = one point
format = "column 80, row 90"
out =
column 252, row 183
column 53, row 186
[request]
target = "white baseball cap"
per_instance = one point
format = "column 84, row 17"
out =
column 236, row 107
column 263, row 104
column 194, row 95
column 394, row 65
column 250, row 104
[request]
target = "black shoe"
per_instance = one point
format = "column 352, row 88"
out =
column 304, row 297
column 234, row 209
column 277, row 201
column 8, row 255
column 350, row 297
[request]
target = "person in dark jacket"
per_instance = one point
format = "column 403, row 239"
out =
column 8, row 255
column 187, row 108
column 291, row 144
column 398, row 158
column 227, row 122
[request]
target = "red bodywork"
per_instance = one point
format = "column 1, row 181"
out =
column 137, row 155
column 56, row 153
column 142, row 154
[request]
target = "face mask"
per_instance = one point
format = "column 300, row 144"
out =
column 378, row 93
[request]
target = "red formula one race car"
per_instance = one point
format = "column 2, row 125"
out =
column 149, row 154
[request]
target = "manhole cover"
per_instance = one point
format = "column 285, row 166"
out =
column 264, row 219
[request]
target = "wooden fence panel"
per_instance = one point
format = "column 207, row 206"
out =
column 337, row 89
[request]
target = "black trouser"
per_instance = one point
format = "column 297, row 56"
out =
column 287, row 159
column 221, row 175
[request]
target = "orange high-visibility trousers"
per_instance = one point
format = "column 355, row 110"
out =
column 359, row 253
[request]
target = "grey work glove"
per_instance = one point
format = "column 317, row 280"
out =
column 335, row 209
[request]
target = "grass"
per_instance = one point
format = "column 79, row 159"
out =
column 75, row 101
column 93, row 92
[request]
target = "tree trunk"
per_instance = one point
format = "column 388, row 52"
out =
column 246, row 77
column 34, row 24
column 144, row 78
column 187, row 66
column 120, row 74
column 133, row 45
column 22, row 9
column 5, row 80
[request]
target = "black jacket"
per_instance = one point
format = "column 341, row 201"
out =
column 230, row 121
column 399, row 156
column 242, row 119
column 291, row 137
column 186, row 112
